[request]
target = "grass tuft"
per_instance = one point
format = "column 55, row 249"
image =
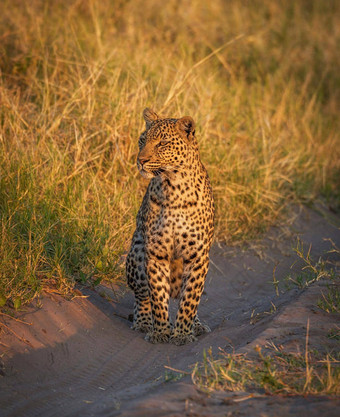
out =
column 330, row 302
column 276, row 372
column 311, row 271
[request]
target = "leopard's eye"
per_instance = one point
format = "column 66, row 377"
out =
column 164, row 142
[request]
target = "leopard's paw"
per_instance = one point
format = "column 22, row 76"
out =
column 200, row 328
column 182, row 339
column 157, row 337
column 144, row 328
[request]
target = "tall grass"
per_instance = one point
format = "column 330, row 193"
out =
column 260, row 78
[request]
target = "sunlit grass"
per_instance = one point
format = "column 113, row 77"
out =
column 275, row 372
column 261, row 81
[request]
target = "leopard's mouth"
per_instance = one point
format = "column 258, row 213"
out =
column 150, row 171
column 146, row 174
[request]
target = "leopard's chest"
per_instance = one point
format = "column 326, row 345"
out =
column 172, row 206
column 161, row 213
column 184, row 212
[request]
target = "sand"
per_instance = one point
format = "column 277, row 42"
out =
column 80, row 358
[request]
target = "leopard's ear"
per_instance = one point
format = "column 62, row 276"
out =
column 186, row 125
column 149, row 116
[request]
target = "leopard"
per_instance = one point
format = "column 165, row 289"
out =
column 169, row 252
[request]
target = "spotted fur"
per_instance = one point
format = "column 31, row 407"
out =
column 169, row 254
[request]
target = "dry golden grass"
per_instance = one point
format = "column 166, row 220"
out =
column 276, row 372
column 260, row 78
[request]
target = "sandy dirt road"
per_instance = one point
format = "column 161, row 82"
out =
column 80, row 357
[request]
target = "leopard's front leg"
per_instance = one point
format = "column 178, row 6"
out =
column 137, row 281
column 194, row 275
column 158, row 271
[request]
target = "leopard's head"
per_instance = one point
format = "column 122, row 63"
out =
column 165, row 144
